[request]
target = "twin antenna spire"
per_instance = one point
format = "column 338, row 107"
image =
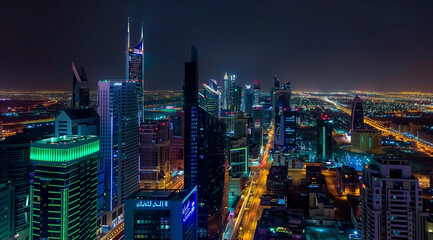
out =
column 129, row 34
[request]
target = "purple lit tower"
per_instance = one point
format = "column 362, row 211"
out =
column 135, row 68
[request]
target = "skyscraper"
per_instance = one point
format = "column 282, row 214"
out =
column 237, row 99
column 284, row 119
column 204, row 156
column 148, row 155
column 64, row 193
column 257, row 92
column 118, row 171
column 80, row 88
column 391, row 201
column 226, row 93
column 232, row 92
column 212, row 100
column 248, row 100
column 256, row 130
column 324, row 138
column 357, row 114
column 135, row 68
column 177, row 138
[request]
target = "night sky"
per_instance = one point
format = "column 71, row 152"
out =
column 316, row 45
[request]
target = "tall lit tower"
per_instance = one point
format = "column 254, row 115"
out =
column 226, row 92
column 212, row 100
column 257, row 92
column 118, row 171
column 232, row 92
column 204, row 159
column 135, row 68
column 248, row 100
column 357, row 114
column 284, row 119
column 80, row 88
column 324, row 137
column 63, row 196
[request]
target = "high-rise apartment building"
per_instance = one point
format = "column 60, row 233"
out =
column 64, row 192
column 135, row 68
column 256, row 130
column 357, row 116
column 237, row 99
column 284, row 119
column 80, row 88
column 391, row 201
column 118, row 170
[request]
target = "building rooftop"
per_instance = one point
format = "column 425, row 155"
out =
column 75, row 114
column 161, row 194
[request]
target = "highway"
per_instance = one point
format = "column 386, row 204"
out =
column 422, row 147
column 247, row 219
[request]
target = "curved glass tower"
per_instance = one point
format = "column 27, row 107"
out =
column 357, row 114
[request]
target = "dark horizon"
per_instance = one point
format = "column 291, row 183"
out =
column 320, row 46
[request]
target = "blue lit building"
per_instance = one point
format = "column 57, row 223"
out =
column 161, row 214
column 357, row 116
column 118, row 170
column 324, row 138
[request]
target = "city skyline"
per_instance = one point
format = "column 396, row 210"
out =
column 321, row 47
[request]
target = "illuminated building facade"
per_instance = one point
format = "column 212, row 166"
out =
column 391, row 201
column 148, row 155
column 118, row 172
column 284, row 119
column 256, row 92
column 177, row 138
column 248, row 100
column 240, row 125
column 348, row 181
column 63, row 196
column 232, row 92
column 357, row 116
column 212, row 100
column 237, row 99
column 135, row 68
column 205, row 149
column 324, row 137
column 256, row 130
column 366, row 141
column 162, row 214
column 226, row 93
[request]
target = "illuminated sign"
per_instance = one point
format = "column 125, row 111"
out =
column 151, row 204
column 187, row 210
column 117, row 84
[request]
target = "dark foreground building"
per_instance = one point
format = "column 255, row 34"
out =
column 204, row 156
column 161, row 214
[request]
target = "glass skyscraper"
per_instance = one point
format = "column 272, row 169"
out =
column 118, row 170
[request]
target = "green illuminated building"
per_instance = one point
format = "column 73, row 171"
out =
column 64, row 192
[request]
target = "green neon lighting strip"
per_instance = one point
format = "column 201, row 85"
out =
column 64, row 227
column 63, row 155
column 31, row 211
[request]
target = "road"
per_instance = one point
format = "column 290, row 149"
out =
column 422, row 147
column 247, row 219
